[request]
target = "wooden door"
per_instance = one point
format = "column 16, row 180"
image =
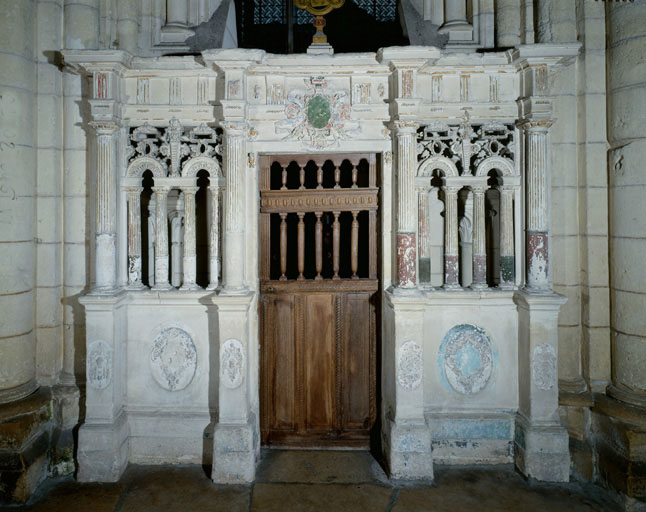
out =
column 319, row 292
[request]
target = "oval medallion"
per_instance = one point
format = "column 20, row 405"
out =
column 99, row 364
column 173, row 359
column 466, row 358
column 410, row 365
column 232, row 363
column 318, row 112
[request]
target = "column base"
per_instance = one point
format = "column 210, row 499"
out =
column 162, row 287
column 238, row 290
column 408, row 451
column 542, row 451
column 627, row 396
column 234, row 453
column 190, row 287
column 103, row 450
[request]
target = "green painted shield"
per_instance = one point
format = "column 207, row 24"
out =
column 318, row 112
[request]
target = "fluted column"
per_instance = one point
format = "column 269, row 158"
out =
column 406, row 132
column 451, row 263
column 479, row 239
column 235, row 164
column 214, row 239
column 105, row 259
column 423, row 236
column 134, row 237
column 161, row 239
column 189, row 258
column 507, row 260
column 536, row 162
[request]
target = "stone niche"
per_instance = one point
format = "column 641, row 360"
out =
column 468, row 334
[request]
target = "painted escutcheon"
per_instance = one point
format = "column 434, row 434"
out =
column 318, row 112
column 466, row 358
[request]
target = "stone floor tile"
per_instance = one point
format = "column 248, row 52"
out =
column 185, row 488
column 497, row 490
column 72, row 497
column 320, row 497
column 319, row 466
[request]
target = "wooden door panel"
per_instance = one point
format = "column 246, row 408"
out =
column 319, row 357
column 281, row 367
column 356, row 361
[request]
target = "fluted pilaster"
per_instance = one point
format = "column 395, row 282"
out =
column 161, row 238
column 451, row 263
column 479, row 239
column 134, row 237
column 189, row 258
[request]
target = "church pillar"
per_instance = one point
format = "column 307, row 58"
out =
column 627, row 137
column 406, row 132
column 235, row 165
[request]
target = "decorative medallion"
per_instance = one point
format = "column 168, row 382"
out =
column 173, row 359
column 466, row 358
column 231, row 363
column 317, row 116
column 99, row 364
column 410, row 365
column 544, row 366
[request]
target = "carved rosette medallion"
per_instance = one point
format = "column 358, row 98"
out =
column 232, row 363
column 317, row 116
column 99, row 364
column 173, row 359
column 544, row 366
column 466, row 358
column 410, row 365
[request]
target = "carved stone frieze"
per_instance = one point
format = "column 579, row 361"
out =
column 173, row 359
column 99, row 364
column 468, row 144
column 410, row 365
column 466, row 358
column 232, row 362
column 316, row 116
column 544, row 366
column 168, row 151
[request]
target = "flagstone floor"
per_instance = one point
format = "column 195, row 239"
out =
column 295, row 480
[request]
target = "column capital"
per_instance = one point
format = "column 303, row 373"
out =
column 539, row 125
column 161, row 189
column 235, row 128
column 104, row 127
column 478, row 189
column 191, row 189
column 405, row 127
column 134, row 190
column 451, row 189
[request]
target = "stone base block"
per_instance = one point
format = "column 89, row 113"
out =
column 25, row 437
column 620, row 442
column 542, row 452
column 408, row 451
column 103, row 450
column 234, row 454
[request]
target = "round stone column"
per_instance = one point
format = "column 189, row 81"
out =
column 17, row 204
column 627, row 208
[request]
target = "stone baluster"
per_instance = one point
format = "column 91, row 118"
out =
column 161, row 239
column 235, row 165
column 406, row 132
column 479, row 238
column 451, row 263
column 105, row 259
column 507, row 260
column 536, row 132
column 189, row 259
column 134, row 237
column 214, row 240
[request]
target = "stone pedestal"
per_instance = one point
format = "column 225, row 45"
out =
column 235, row 438
column 541, row 443
column 406, row 436
column 103, row 438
